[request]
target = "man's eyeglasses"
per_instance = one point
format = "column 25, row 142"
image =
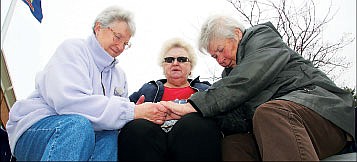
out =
column 117, row 38
column 179, row 59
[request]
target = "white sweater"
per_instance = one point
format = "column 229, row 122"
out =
column 71, row 84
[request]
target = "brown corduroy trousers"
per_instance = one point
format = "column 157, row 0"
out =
column 285, row 131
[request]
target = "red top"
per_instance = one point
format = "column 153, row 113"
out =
column 171, row 94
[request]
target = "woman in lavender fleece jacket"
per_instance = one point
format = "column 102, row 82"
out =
column 80, row 101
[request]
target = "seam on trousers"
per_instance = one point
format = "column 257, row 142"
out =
column 56, row 135
column 91, row 156
column 298, row 140
column 34, row 130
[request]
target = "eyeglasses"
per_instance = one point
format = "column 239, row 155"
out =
column 117, row 38
column 180, row 59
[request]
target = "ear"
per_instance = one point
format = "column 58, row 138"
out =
column 97, row 27
column 238, row 34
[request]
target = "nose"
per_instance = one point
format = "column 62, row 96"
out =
column 175, row 62
column 120, row 46
column 220, row 60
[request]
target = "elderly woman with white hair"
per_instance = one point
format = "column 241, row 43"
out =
column 81, row 98
column 271, row 103
column 185, row 138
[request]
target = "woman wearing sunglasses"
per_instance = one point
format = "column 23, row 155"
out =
column 188, row 138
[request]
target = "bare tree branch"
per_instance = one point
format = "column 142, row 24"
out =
column 300, row 28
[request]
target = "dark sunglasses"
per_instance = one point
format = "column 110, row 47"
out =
column 179, row 59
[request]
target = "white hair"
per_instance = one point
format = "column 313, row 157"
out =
column 177, row 43
column 217, row 27
column 115, row 13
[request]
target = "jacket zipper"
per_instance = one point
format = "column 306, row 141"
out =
column 101, row 76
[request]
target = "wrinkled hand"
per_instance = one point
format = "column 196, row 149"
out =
column 177, row 110
column 170, row 116
column 153, row 112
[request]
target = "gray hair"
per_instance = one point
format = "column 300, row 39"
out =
column 115, row 13
column 177, row 43
column 217, row 27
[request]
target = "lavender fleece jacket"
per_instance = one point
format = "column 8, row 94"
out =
column 71, row 84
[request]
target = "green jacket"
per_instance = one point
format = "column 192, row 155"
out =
column 268, row 69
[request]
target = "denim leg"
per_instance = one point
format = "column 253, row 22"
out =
column 57, row 138
column 106, row 146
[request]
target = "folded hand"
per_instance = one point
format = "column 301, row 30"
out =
column 177, row 110
column 153, row 112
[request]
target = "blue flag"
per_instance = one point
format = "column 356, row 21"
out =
column 35, row 7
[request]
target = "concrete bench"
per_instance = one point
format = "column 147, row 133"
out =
column 342, row 157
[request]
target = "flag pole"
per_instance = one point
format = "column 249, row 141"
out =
column 7, row 20
column 6, row 85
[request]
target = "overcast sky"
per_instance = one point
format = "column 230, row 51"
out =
column 29, row 44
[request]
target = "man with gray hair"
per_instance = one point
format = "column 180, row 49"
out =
column 81, row 99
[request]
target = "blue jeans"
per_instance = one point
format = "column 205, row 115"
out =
column 66, row 138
